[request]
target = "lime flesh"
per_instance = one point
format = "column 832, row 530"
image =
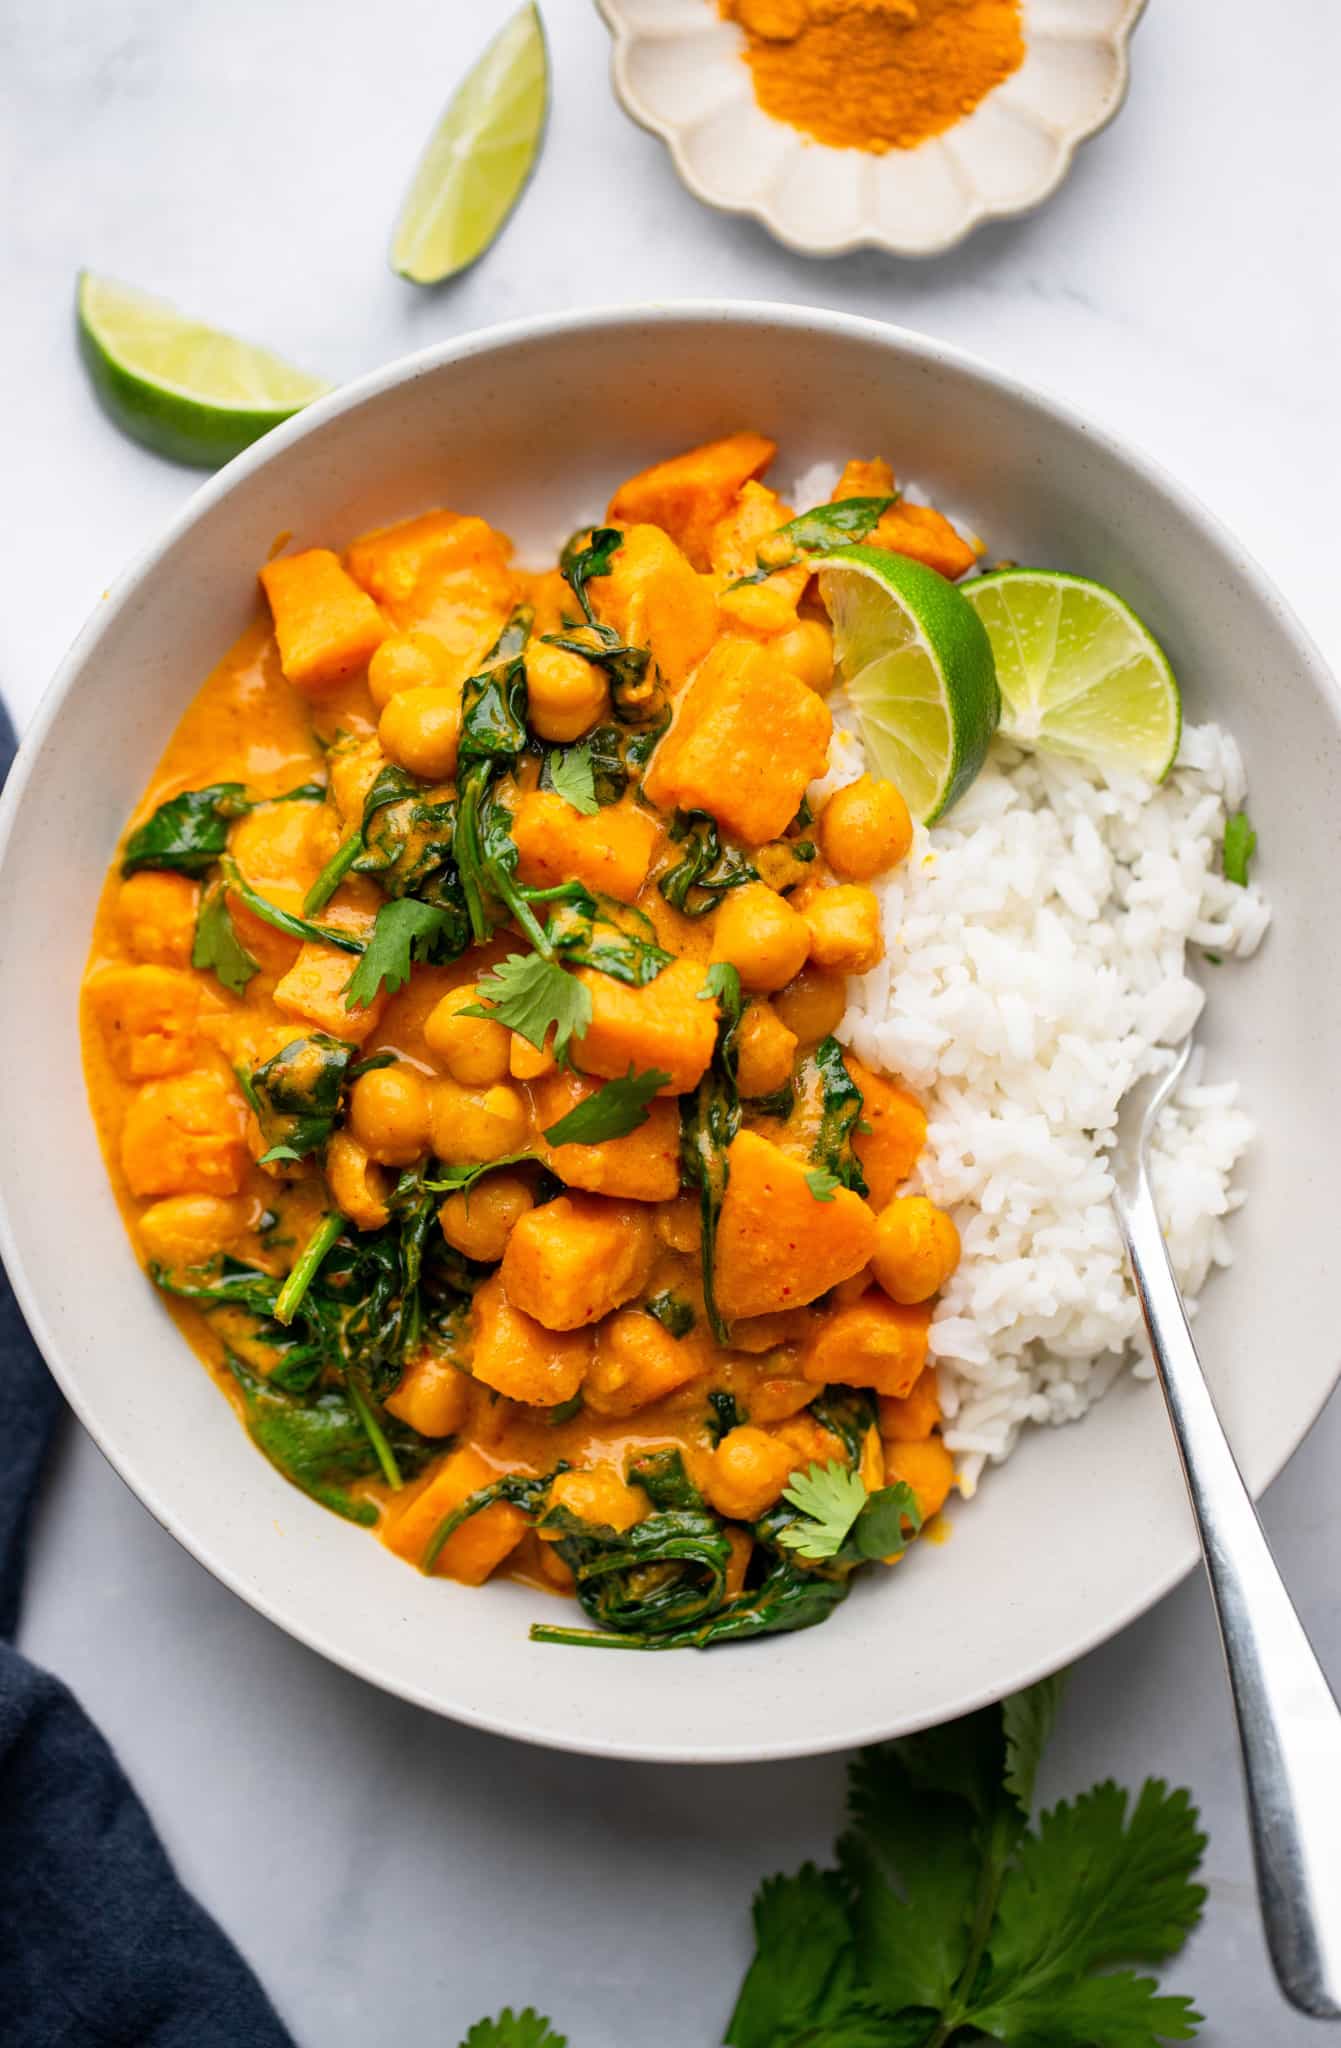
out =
column 478, row 158
column 917, row 666
column 186, row 391
column 1079, row 673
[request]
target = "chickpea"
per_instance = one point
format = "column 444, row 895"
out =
column 761, row 935
column 637, row 1362
column 185, row 1230
column 566, row 694
column 527, row 1062
column 807, row 650
column 907, row 1418
column 844, row 925
column 765, row 1051
column 472, row 1125
column 432, row 1397
column 927, row 1467
column 601, row 1496
column 812, row 1005
column 419, row 729
column 474, row 1050
column 407, row 661
column 864, row 829
column 916, row 1249
column 388, row 1114
column 747, row 1472
column 157, row 916
column 478, row 1221
column 358, row 1187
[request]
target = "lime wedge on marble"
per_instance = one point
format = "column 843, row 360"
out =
column 479, row 156
column 187, row 391
column 1079, row 673
column 917, row 667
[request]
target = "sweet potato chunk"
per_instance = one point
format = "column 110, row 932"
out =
column 569, row 1262
column 655, row 598
column 873, row 479
column 185, row 1136
column 608, row 852
column 927, row 1467
column 156, row 913
column 768, row 607
column 148, row 1017
column 876, row 1343
column 747, row 738
column 777, row 1246
column 643, row 1166
column 888, row 1151
column 327, row 628
column 688, row 494
column 313, row 990
column 444, row 572
column 638, row 1362
column 664, row 1024
column 520, row 1357
column 479, row 1546
column 925, row 534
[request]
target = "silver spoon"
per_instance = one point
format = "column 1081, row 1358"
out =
column 1289, row 1725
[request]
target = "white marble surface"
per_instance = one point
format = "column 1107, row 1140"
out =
column 392, row 1876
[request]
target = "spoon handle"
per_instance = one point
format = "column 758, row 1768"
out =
column 1289, row 1725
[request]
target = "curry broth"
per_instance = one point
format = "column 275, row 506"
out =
column 743, row 1409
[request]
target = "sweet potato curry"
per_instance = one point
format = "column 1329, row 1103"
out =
column 460, row 1029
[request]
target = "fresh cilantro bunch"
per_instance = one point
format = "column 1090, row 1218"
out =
column 951, row 1920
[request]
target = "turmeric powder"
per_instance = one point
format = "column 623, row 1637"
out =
column 877, row 74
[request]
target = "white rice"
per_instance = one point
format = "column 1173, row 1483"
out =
column 1036, row 963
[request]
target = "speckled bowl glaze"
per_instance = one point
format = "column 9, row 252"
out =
column 678, row 70
column 1085, row 1526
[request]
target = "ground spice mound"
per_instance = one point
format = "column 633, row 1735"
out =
column 877, row 74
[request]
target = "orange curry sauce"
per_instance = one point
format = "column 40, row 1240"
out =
column 553, row 1359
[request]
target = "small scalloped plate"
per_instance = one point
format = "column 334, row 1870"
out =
column 678, row 71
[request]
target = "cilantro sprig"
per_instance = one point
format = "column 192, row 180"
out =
column 951, row 1919
column 839, row 1517
column 572, row 775
column 616, row 1108
column 534, row 996
column 511, row 2029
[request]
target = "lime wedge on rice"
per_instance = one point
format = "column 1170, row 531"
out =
column 917, row 666
column 478, row 158
column 1079, row 673
column 186, row 391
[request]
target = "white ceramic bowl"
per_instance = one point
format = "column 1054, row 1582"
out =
column 530, row 425
column 678, row 70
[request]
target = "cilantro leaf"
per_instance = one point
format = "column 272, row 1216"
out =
column 533, row 997
column 831, row 1497
column 822, row 1183
column 884, row 1526
column 217, row 946
column 802, row 1985
column 722, row 986
column 404, row 931
column 1090, row 1888
column 573, row 776
column 511, row 2029
column 1117, row 2010
column 914, row 1859
column 1239, row 847
column 1026, row 1721
column 613, row 1111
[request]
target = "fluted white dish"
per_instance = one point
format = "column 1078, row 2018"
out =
column 679, row 70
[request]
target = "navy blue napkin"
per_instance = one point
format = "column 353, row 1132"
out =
column 100, row 1946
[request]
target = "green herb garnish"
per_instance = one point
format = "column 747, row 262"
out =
column 1239, row 847
column 534, row 996
column 813, row 533
column 216, row 947
column 406, row 930
column 572, row 776
column 616, row 1108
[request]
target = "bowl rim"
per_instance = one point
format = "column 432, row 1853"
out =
column 624, row 33
column 125, row 590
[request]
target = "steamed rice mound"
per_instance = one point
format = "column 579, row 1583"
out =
column 1037, row 961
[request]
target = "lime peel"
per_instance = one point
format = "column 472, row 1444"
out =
column 918, row 670
column 479, row 157
column 187, row 391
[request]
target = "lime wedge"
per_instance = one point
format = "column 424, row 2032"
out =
column 918, row 669
column 1079, row 673
column 186, row 391
column 478, row 158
